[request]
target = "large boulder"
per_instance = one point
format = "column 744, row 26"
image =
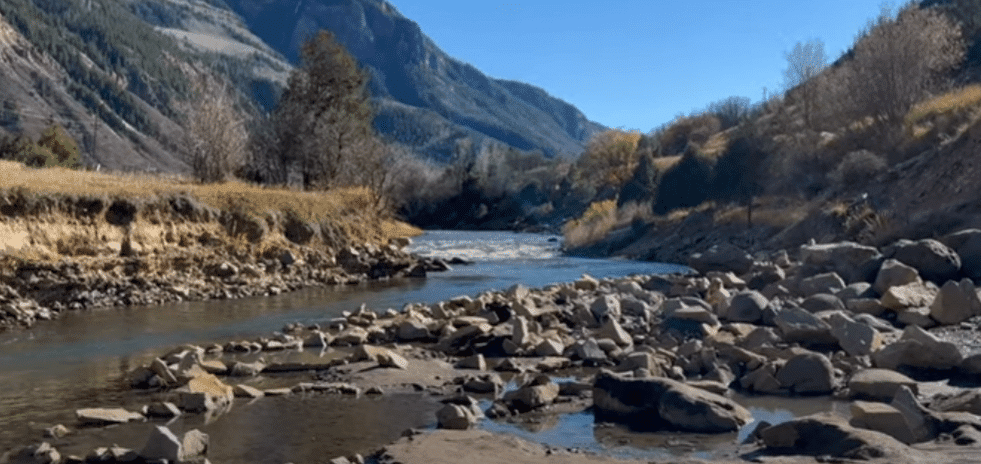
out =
column 967, row 244
column 827, row 435
column 881, row 417
column 658, row 403
column 848, row 259
column 459, row 413
column 956, row 302
column 829, row 282
column 919, row 349
column 723, row 257
column 911, row 295
column 878, row 384
column 605, row 307
column 932, row 259
column 807, row 374
column 893, row 274
column 541, row 391
column 856, row 338
column 800, row 326
column 746, row 307
column 204, row 393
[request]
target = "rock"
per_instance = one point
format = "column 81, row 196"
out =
column 914, row 295
column 746, row 307
column 587, row 283
column 163, row 409
column 966, row 435
column 807, row 374
column 520, row 334
column 971, row 365
column 658, row 403
column 549, row 347
column 857, row 290
column 352, row 336
column 799, row 326
column 894, row 273
column 878, row 384
column 932, row 259
column 411, row 330
column 653, row 365
column 964, row 401
column 844, row 258
column 485, row 383
column 246, row 391
column 691, row 320
column 829, row 282
column 613, row 331
column 761, row 380
column 317, row 339
column 956, row 302
column 213, row 366
column 42, row 453
column 243, row 369
column 856, row 338
column 159, row 367
column 589, row 351
column 967, row 245
column 204, row 393
column 918, row 348
column 919, row 317
column 195, row 444
column 918, row 420
column 541, row 391
column 723, row 257
column 605, row 307
column 456, row 417
column 58, row 431
column 827, row 435
column 870, row 306
column 383, row 356
column 104, row 416
column 476, row 361
column 162, row 444
column 822, row 302
column 881, row 417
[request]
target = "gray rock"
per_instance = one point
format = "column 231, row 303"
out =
column 829, row 282
column 967, row 244
column 194, row 444
column 857, row 290
column 807, row 374
column 541, row 391
column 761, row 380
column 964, row 401
column 919, row 421
column 549, row 347
column 163, row 409
column 722, row 257
column 658, row 403
column 883, row 418
column 162, row 444
column 41, row 453
column 878, row 384
column 799, row 326
column 246, row 391
column 411, row 330
column 827, row 435
column 746, row 307
column 589, row 351
column 918, row 348
column 856, row 338
column 844, row 258
column 914, row 295
column 456, row 417
column 956, row 302
column 894, row 273
column 476, row 361
column 243, row 369
column 103, row 416
column 613, row 331
column 605, row 307
column 932, row 259
column 822, row 302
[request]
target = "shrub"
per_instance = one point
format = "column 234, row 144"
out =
column 643, row 185
column 684, row 131
column 609, row 159
column 61, row 145
column 216, row 138
column 858, row 167
column 686, row 184
column 737, row 172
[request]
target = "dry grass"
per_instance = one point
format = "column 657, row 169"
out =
column 955, row 101
column 666, row 162
column 602, row 218
column 225, row 196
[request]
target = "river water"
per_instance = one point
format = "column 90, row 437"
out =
column 80, row 359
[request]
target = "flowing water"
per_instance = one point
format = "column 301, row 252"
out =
column 80, row 359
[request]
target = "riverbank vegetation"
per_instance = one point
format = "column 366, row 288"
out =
column 879, row 134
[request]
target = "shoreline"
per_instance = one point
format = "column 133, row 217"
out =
column 792, row 325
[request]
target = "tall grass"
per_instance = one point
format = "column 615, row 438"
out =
column 953, row 102
column 600, row 219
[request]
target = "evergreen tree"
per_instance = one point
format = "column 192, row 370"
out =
column 643, row 185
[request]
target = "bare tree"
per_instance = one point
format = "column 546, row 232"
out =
column 900, row 59
column 216, row 137
column 804, row 62
column 731, row 111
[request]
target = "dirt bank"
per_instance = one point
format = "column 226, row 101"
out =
column 74, row 240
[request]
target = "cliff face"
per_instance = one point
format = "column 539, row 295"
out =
column 426, row 98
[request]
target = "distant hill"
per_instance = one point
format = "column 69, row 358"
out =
column 426, row 98
column 113, row 72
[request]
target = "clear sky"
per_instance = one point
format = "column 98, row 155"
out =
column 636, row 64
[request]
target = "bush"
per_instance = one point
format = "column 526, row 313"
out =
column 643, row 185
column 685, row 131
column 216, row 138
column 63, row 148
column 737, row 172
column 54, row 148
column 609, row 160
column 858, row 167
column 686, row 184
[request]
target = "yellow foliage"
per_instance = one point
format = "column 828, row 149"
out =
column 610, row 158
column 955, row 101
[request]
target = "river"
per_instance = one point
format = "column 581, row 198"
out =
column 80, row 359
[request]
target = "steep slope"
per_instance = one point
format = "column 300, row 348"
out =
column 411, row 73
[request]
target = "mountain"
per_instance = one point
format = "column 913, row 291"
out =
column 115, row 74
column 426, row 98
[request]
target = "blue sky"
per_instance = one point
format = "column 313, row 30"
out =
column 636, row 64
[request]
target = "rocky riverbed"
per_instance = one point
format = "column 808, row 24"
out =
column 891, row 331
